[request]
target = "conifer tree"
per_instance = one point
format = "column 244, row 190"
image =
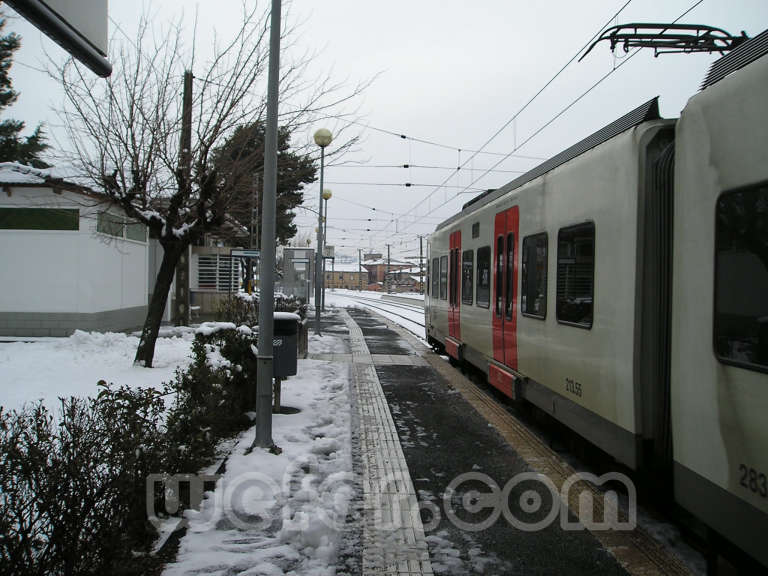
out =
column 13, row 146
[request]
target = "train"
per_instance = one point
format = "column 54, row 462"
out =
column 622, row 288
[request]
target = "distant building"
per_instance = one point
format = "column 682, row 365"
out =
column 346, row 276
column 377, row 271
column 405, row 280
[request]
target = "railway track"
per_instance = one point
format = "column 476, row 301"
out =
column 387, row 307
column 395, row 304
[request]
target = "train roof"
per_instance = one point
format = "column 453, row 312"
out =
column 746, row 53
column 643, row 113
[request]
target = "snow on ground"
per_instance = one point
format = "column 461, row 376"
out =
column 72, row 366
column 280, row 514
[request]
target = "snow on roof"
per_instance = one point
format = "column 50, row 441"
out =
column 15, row 173
column 342, row 267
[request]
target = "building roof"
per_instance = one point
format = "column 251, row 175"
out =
column 20, row 174
column 343, row 267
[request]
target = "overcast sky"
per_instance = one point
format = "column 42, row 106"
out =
column 450, row 72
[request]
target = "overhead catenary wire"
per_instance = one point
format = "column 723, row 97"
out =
column 419, row 166
column 521, row 110
column 561, row 112
column 623, row 61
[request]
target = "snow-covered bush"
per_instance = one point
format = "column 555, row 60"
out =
column 73, row 487
column 211, row 396
column 243, row 309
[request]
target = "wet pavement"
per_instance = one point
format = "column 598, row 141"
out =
column 450, row 449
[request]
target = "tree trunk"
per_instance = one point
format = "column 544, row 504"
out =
column 146, row 351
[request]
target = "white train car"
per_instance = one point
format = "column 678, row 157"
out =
column 553, row 317
column 622, row 287
column 720, row 303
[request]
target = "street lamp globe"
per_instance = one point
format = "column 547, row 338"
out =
column 323, row 137
column 327, row 194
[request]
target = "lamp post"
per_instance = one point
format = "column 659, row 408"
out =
column 326, row 195
column 323, row 138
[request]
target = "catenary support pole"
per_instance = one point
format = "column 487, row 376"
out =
column 267, row 261
column 387, row 277
column 181, row 295
column 421, row 264
column 360, row 269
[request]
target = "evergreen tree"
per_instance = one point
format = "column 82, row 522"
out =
column 239, row 165
column 13, row 146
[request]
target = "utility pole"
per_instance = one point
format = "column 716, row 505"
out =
column 386, row 278
column 181, row 308
column 254, row 243
column 264, row 358
column 421, row 264
column 360, row 269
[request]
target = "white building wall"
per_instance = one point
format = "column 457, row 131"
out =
column 69, row 271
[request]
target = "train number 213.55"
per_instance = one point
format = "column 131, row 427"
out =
column 573, row 387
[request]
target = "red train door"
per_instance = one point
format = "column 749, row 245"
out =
column 454, row 297
column 506, row 227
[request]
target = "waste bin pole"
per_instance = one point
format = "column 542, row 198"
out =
column 276, row 396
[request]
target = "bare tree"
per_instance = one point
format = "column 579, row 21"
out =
column 125, row 133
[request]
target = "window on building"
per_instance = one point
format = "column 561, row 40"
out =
column 206, row 271
column 39, row 219
column 476, row 230
column 533, row 300
column 467, row 276
column 499, row 274
column 218, row 272
column 443, row 277
column 110, row 224
column 741, row 277
column 136, row 231
column 484, row 276
column 576, row 274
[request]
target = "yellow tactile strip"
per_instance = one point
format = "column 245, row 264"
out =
column 636, row 551
column 393, row 535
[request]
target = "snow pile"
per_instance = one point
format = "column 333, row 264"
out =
column 72, row 366
column 281, row 514
column 208, row 328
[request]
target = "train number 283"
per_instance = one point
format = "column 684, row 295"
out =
column 753, row 480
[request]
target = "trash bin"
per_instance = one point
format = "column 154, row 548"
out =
column 284, row 344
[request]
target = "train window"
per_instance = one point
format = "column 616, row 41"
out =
column 576, row 274
column 435, row 278
column 510, row 296
column 741, row 277
column 533, row 299
column 443, row 277
column 484, row 276
column 499, row 273
column 467, row 273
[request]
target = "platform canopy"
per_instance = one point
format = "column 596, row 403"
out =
column 78, row 26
